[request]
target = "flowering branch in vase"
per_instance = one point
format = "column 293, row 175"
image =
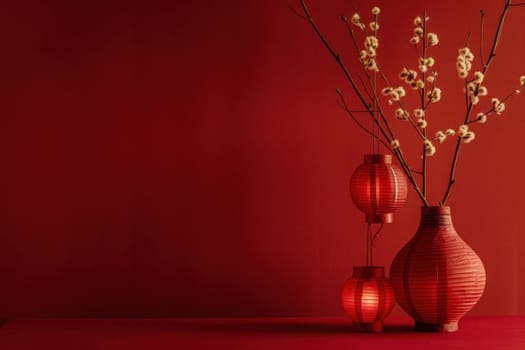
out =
column 424, row 83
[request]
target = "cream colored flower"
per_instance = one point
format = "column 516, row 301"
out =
column 386, row 91
column 401, row 114
column 430, row 149
column 482, row 91
column 497, row 106
column 434, row 95
column 433, row 39
column 419, row 113
column 469, row 136
column 408, row 75
column 481, row 118
column 522, row 80
column 372, row 65
column 422, row 123
column 478, row 77
column 395, row 144
column 376, row 10
column 371, row 41
column 450, row 132
column 418, row 31
column 474, row 99
column 418, row 21
column 401, row 91
column 440, row 137
column 374, row 26
column 462, row 130
column 414, row 40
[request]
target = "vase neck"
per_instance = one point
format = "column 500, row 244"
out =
column 435, row 216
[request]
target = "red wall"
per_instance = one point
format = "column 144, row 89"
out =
column 165, row 158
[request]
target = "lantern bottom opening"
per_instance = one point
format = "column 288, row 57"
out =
column 374, row 327
column 437, row 327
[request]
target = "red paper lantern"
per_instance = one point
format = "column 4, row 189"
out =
column 378, row 188
column 368, row 298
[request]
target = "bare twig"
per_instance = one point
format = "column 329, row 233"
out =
column 343, row 104
column 481, row 35
column 295, row 12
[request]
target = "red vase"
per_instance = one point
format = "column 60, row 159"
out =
column 368, row 298
column 437, row 277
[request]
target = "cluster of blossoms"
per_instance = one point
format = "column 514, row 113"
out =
column 442, row 136
column 395, row 94
column 368, row 55
column 464, row 62
column 424, row 82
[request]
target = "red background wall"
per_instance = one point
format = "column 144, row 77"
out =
column 176, row 158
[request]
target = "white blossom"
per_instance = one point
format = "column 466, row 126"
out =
column 419, row 113
column 450, row 132
column 478, row 77
column 414, row 40
column 376, row 10
column 434, row 95
column 440, row 137
column 430, row 149
column 469, row 136
column 482, row 91
column 481, row 118
column 498, row 106
column 433, row 39
column 401, row 114
column 395, row 144
column 462, row 130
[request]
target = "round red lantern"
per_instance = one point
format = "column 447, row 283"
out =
column 378, row 188
column 368, row 298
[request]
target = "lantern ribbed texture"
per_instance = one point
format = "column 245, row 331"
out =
column 378, row 188
column 436, row 276
column 368, row 298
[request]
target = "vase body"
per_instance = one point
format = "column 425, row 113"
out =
column 368, row 298
column 437, row 277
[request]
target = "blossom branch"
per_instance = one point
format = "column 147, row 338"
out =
column 385, row 129
column 486, row 65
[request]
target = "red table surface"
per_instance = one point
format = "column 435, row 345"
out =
column 254, row 333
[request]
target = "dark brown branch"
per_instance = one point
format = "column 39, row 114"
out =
column 481, row 35
column 385, row 130
column 492, row 54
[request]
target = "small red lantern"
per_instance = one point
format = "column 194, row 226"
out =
column 378, row 188
column 368, row 298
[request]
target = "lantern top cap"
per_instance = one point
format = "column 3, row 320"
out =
column 369, row 271
column 375, row 158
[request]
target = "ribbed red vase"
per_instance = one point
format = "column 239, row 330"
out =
column 368, row 298
column 378, row 188
column 437, row 277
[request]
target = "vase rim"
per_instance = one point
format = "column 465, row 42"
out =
column 436, row 209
